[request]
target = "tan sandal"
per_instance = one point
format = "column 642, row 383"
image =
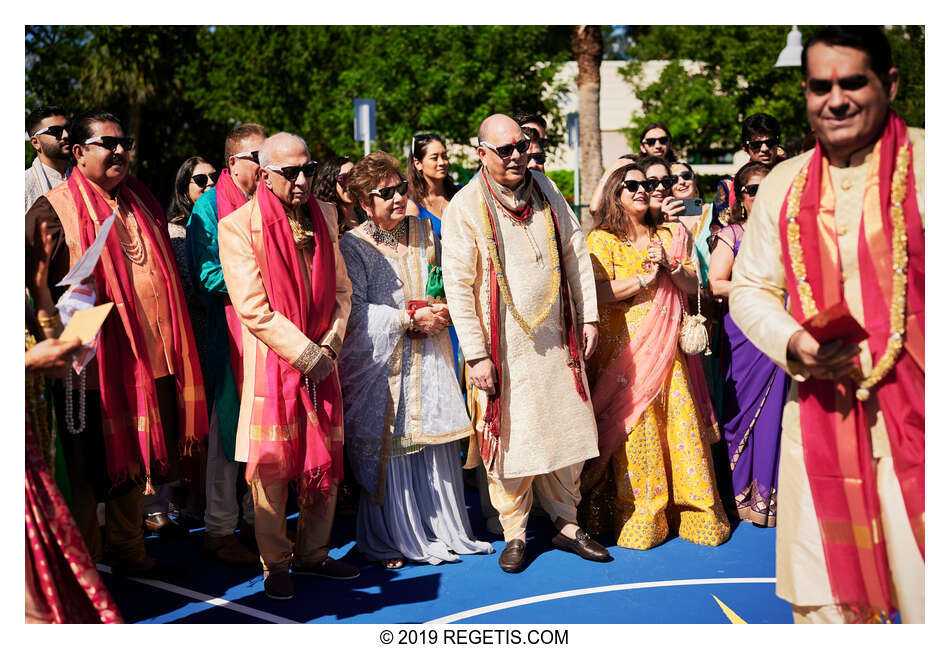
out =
column 393, row 563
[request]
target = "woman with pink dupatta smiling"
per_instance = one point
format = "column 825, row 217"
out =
column 654, row 473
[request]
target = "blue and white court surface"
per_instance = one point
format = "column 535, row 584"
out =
column 677, row 582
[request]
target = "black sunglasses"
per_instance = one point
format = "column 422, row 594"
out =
column 112, row 142
column 291, row 173
column 56, row 131
column 666, row 181
column 824, row 86
column 387, row 193
column 686, row 175
column 248, row 155
column 755, row 145
column 751, row 190
column 535, row 136
column 505, row 150
column 632, row 185
column 202, row 179
column 651, row 141
column 539, row 158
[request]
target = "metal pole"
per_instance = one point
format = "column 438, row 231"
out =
column 364, row 118
column 577, row 178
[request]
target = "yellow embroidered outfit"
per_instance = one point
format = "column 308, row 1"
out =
column 663, row 475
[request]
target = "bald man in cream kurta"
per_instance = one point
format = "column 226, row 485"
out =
column 756, row 304
column 547, row 430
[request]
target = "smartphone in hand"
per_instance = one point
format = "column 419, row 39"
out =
column 694, row 206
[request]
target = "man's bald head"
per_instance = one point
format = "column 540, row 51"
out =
column 280, row 146
column 495, row 128
column 284, row 150
column 500, row 130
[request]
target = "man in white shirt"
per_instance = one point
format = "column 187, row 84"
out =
column 46, row 127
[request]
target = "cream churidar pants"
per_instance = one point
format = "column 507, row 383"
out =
column 558, row 492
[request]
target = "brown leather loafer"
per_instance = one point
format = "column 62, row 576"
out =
column 512, row 557
column 582, row 545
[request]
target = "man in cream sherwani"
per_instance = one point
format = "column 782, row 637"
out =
column 541, row 425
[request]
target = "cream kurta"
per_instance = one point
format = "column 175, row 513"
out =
column 545, row 425
column 261, row 327
column 756, row 303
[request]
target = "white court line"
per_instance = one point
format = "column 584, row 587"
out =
column 599, row 589
column 208, row 599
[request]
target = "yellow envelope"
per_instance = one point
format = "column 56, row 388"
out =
column 85, row 324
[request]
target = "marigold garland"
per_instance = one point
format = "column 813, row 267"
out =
column 895, row 341
column 555, row 282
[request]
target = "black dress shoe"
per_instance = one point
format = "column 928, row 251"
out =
column 512, row 557
column 164, row 527
column 582, row 545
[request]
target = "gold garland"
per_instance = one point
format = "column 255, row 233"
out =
column 895, row 341
column 555, row 282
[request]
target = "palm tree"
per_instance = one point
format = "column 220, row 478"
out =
column 587, row 44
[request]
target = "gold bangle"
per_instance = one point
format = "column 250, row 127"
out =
column 51, row 322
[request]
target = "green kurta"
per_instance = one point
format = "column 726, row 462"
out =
column 205, row 266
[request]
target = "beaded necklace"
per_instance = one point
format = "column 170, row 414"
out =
column 895, row 341
column 73, row 430
column 554, row 284
column 390, row 238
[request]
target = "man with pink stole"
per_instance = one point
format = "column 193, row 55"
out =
column 288, row 284
column 141, row 400
column 844, row 225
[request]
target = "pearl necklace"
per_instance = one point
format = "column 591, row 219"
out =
column 895, row 341
column 69, row 402
column 134, row 249
column 390, row 238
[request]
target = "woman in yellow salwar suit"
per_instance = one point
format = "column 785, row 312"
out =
column 654, row 471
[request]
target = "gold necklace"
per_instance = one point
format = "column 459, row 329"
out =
column 301, row 228
column 554, row 285
column 895, row 341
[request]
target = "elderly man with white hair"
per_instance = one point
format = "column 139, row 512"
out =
column 289, row 287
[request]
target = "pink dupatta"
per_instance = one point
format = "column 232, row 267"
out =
column 635, row 377
column 229, row 197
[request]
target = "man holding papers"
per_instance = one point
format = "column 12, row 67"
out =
column 140, row 403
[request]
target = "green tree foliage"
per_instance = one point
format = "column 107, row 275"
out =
column 187, row 86
column 737, row 78
column 443, row 78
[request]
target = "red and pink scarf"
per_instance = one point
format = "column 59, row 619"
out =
column 130, row 415
column 838, row 457
column 292, row 435
column 229, row 197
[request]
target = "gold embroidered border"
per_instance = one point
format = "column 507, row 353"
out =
column 308, row 359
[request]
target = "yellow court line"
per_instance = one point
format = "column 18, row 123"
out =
column 735, row 619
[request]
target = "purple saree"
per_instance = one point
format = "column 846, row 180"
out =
column 754, row 393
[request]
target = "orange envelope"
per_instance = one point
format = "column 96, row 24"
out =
column 85, row 324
